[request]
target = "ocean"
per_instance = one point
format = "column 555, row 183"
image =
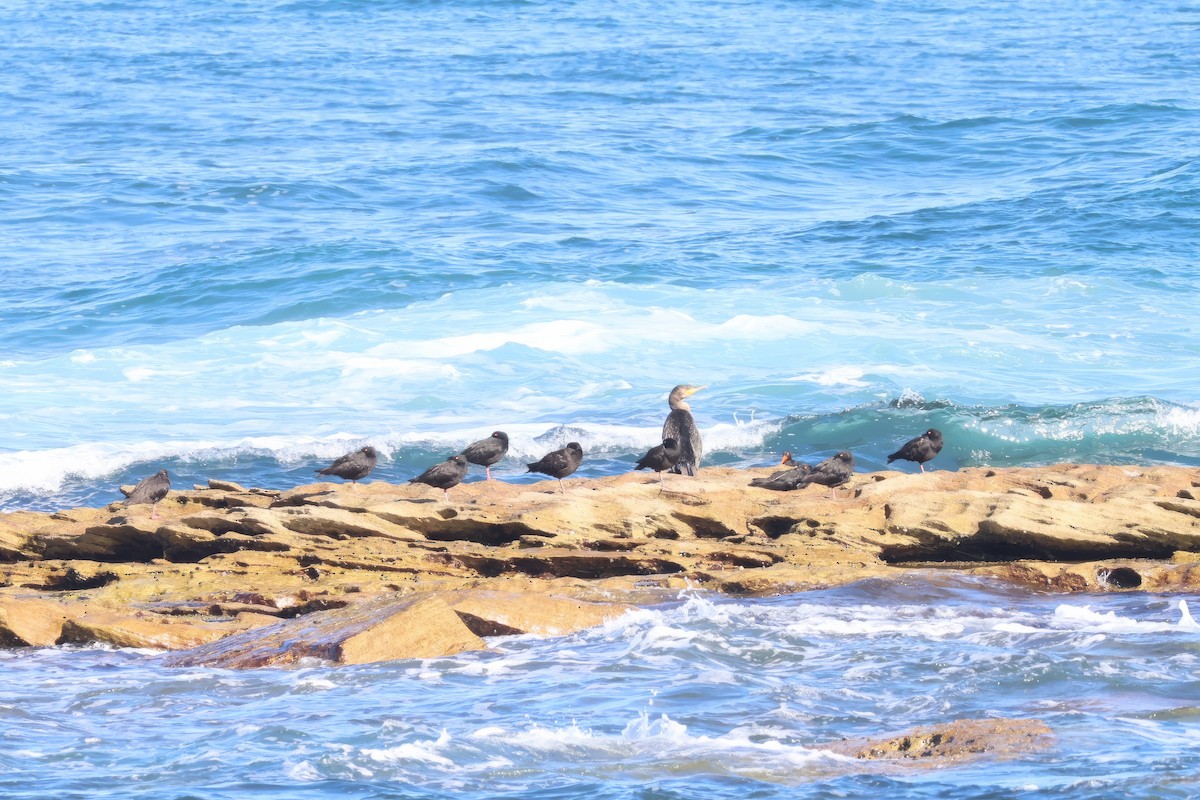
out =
column 241, row 239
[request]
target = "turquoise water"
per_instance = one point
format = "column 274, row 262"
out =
column 239, row 240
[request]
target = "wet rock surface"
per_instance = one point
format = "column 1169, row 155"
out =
column 950, row 742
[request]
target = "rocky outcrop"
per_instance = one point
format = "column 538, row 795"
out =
column 223, row 558
column 419, row 626
column 951, row 742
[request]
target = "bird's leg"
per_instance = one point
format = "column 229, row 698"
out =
column 489, row 472
column 446, row 495
column 560, row 486
column 922, row 466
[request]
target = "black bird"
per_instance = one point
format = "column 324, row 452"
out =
column 831, row 472
column 661, row 456
column 560, row 463
column 444, row 475
column 353, row 466
column 785, row 480
column 787, row 459
column 680, row 426
column 487, row 451
column 921, row 449
column 150, row 490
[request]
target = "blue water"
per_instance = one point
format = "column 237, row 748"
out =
column 240, row 239
column 695, row 698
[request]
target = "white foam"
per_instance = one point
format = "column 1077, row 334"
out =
column 835, row 626
column 48, row 470
column 425, row 751
column 304, row 771
column 1085, row 619
column 646, row 741
column 1186, row 622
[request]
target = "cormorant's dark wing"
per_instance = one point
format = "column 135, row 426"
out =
column 681, row 427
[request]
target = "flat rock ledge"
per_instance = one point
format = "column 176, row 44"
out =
column 949, row 743
column 352, row 573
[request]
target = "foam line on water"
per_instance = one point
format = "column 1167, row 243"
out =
column 48, row 470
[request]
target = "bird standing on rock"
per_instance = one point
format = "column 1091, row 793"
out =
column 150, row 490
column 660, row 457
column 487, row 452
column 921, row 449
column 560, row 463
column 445, row 475
column 831, row 472
column 681, row 427
column 353, row 466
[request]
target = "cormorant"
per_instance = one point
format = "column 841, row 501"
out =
column 353, row 466
column 560, row 463
column 150, row 490
column 661, row 456
column 921, row 449
column 682, row 428
column 487, row 451
column 444, row 475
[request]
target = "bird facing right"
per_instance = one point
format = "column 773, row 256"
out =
column 681, row 427
column 487, row 452
column 660, row 457
column 921, row 449
column 353, row 466
column 831, row 472
column 150, row 490
column 560, row 463
column 445, row 475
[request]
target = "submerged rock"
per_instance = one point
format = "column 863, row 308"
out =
column 950, row 742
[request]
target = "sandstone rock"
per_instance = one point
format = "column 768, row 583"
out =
column 336, row 523
column 185, row 544
column 226, row 486
column 127, row 630
column 1058, row 528
column 951, row 742
column 491, row 613
column 15, row 536
column 122, row 539
column 30, row 623
column 420, row 626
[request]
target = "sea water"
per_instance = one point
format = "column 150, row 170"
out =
column 698, row 697
column 240, row 239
